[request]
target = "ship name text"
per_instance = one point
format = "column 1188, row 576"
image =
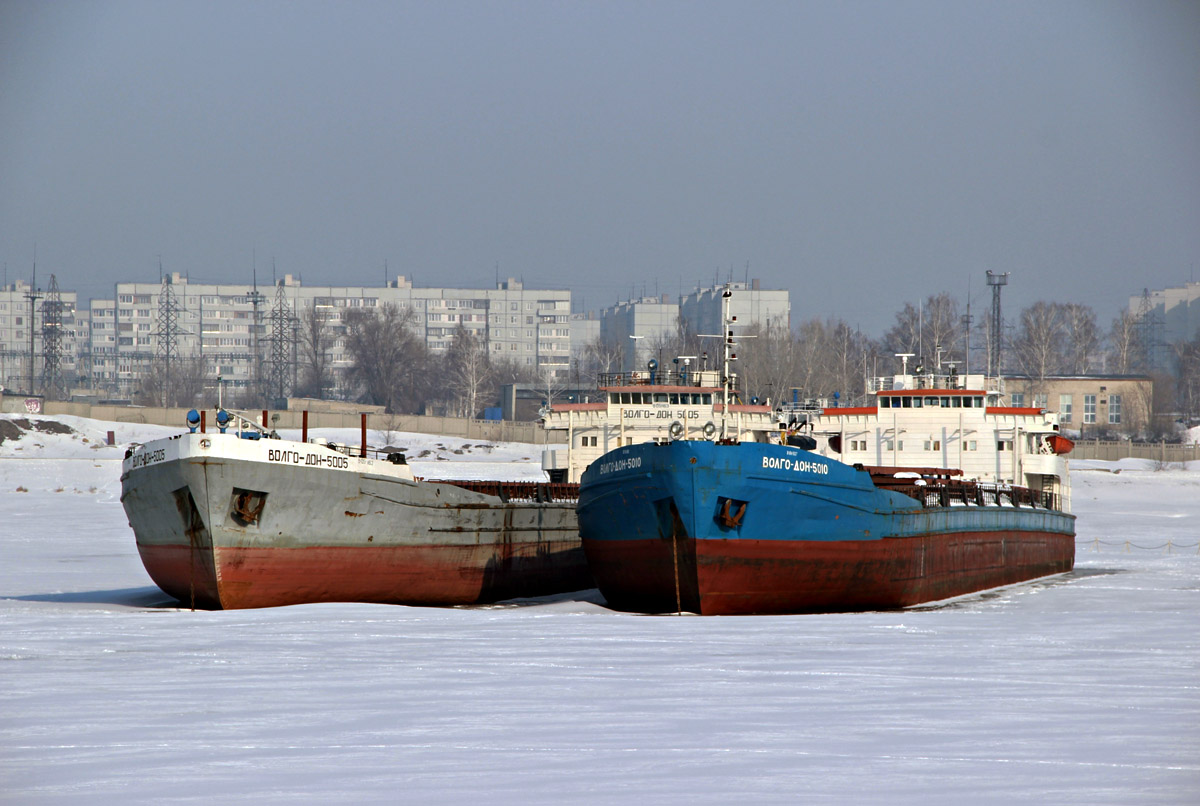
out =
column 307, row 459
column 147, row 458
column 794, row 465
column 617, row 465
column 660, row 414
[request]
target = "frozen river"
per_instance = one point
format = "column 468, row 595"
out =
column 1083, row 689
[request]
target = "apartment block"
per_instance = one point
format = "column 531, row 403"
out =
column 244, row 330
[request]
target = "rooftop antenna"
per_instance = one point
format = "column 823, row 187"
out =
column 904, row 361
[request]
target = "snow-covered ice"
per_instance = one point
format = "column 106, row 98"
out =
column 1083, row 689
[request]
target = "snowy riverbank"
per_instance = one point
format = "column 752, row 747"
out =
column 1082, row 689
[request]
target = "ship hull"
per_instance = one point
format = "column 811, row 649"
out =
column 329, row 528
column 661, row 537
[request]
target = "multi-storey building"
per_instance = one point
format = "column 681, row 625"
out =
column 640, row 325
column 637, row 327
column 245, row 332
column 750, row 304
column 1168, row 316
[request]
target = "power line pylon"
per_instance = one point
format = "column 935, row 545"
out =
column 1149, row 329
column 53, row 382
column 166, row 336
column 281, row 338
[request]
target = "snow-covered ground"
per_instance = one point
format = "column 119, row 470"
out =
column 1077, row 690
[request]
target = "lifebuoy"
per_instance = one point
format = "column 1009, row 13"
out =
column 676, row 430
column 708, row 430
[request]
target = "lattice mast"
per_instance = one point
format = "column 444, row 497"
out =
column 166, row 336
column 53, row 381
column 996, row 323
column 1149, row 333
column 282, row 338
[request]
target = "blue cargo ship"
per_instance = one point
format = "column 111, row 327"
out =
column 725, row 528
column 934, row 490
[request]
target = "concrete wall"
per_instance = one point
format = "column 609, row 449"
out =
column 443, row 426
column 1121, row 449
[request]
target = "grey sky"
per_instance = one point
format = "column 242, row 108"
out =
column 861, row 154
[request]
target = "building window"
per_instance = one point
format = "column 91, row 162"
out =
column 1004, row 445
column 1064, row 408
column 1089, row 408
column 1114, row 409
column 1018, row 399
column 1040, row 401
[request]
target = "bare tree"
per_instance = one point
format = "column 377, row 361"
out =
column 768, row 361
column 846, row 350
column 1083, row 337
column 316, row 339
column 1127, row 353
column 1040, row 344
column 388, row 362
column 809, row 347
column 187, row 381
column 467, row 370
column 921, row 330
column 549, row 385
column 1187, row 378
column 600, row 357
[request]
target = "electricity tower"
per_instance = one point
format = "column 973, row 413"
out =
column 166, row 336
column 53, row 382
column 1149, row 330
column 282, row 346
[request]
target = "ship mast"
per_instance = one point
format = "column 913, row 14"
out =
column 727, row 355
column 726, row 375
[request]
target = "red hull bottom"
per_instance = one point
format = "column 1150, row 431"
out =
column 728, row 577
column 234, row 578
